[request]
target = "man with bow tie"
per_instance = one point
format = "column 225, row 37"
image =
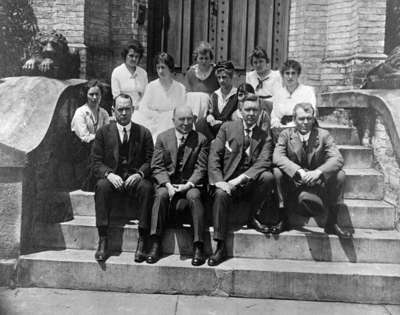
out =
column 179, row 167
column 309, row 177
column 121, row 156
column 239, row 168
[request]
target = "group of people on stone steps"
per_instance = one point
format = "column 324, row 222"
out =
column 213, row 144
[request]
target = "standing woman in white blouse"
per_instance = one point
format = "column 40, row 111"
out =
column 290, row 93
column 129, row 78
column 160, row 97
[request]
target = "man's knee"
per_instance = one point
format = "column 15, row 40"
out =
column 103, row 186
column 193, row 194
column 145, row 186
column 162, row 193
column 266, row 178
column 220, row 194
column 277, row 173
column 341, row 177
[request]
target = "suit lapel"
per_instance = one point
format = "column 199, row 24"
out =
column 188, row 147
column 172, row 145
column 115, row 137
column 297, row 145
column 255, row 140
column 133, row 140
column 313, row 143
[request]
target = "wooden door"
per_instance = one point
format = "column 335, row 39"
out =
column 232, row 27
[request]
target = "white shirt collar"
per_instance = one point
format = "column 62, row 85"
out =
column 121, row 130
column 132, row 75
column 231, row 92
column 251, row 128
column 179, row 136
column 304, row 137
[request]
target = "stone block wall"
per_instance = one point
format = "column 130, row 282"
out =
column 98, row 29
column 337, row 41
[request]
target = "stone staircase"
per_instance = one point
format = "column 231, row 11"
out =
column 304, row 264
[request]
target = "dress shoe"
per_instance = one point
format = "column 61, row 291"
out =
column 101, row 252
column 336, row 230
column 155, row 251
column 219, row 255
column 140, row 249
column 198, row 255
column 257, row 225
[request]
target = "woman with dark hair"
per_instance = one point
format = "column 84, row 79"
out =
column 87, row 119
column 129, row 78
column 90, row 117
column 287, row 95
column 160, row 97
column 262, row 78
column 223, row 102
column 200, row 80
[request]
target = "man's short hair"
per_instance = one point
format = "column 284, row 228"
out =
column 125, row 96
column 307, row 107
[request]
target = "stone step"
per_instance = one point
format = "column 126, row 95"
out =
column 255, row 278
column 305, row 244
column 365, row 214
column 341, row 133
column 356, row 156
column 365, row 183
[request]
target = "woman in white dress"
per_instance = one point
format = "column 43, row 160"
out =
column 129, row 78
column 160, row 98
column 288, row 94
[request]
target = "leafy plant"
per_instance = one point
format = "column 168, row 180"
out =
column 18, row 26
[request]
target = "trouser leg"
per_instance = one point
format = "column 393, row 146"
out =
column 262, row 193
column 102, row 197
column 335, row 195
column 144, row 194
column 196, row 207
column 159, row 212
column 221, row 204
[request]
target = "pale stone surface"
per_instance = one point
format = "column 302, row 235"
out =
column 24, row 301
column 308, row 244
column 240, row 277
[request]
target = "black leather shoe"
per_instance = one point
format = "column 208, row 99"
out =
column 101, row 252
column 336, row 230
column 257, row 225
column 198, row 255
column 155, row 251
column 219, row 256
column 140, row 249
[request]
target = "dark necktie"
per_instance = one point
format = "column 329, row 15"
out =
column 125, row 140
column 260, row 83
column 304, row 155
column 247, row 138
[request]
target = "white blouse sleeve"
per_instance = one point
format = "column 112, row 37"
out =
column 79, row 126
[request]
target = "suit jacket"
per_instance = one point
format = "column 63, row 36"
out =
column 322, row 152
column 105, row 150
column 163, row 163
column 227, row 149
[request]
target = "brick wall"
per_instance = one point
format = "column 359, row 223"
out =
column 124, row 28
column 98, row 29
column 337, row 41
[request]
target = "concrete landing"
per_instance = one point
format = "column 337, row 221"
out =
column 64, row 302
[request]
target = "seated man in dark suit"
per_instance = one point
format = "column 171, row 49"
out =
column 179, row 166
column 309, row 170
column 239, row 168
column 121, row 157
